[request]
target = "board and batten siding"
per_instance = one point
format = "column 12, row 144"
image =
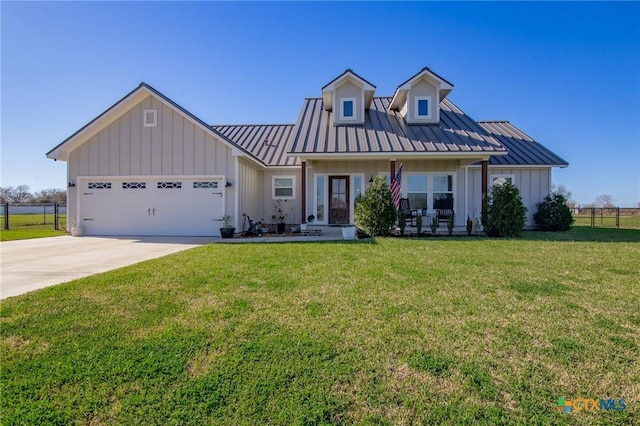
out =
column 534, row 184
column 251, row 200
column 176, row 146
column 293, row 208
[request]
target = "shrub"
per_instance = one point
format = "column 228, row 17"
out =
column 553, row 213
column 450, row 225
column 419, row 224
column 434, row 225
column 374, row 211
column 402, row 223
column 505, row 214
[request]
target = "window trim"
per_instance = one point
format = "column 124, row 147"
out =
column 154, row 122
column 354, row 112
column 417, row 114
column 293, row 187
column 430, row 188
column 494, row 176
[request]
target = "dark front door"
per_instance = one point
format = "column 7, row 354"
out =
column 338, row 200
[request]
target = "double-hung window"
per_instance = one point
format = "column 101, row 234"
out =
column 284, row 187
column 442, row 187
column 417, row 192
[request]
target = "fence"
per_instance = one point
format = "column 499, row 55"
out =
column 608, row 217
column 52, row 215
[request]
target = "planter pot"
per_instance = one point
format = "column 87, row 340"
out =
column 349, row 232
column 227, row 232
column 474, row 226
column 281, row 228
column 76, row 231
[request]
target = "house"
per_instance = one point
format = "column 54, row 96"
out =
column 147, row 166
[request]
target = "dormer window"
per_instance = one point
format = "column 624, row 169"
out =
column 347, row 108
column 423, row 107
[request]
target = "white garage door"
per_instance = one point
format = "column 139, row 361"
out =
column 167, row 205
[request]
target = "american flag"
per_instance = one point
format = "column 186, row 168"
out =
column 395, row 188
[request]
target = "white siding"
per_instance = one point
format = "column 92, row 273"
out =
column 349, row 90
column 250, row 202
column 420, row 89
column 533, row 184
column 176, row 146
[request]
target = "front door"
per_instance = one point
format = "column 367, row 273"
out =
column 338, row 200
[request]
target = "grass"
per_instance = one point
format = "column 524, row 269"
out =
column 391, row 331
column 26, row 226
column 627, row 222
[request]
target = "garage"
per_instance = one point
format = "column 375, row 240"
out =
column 151, row 205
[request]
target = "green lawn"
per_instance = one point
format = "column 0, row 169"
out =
column 628, row 222
column 25, row 226
column 391, row 331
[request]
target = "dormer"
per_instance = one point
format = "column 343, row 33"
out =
column 418, row 99
column 348, row 96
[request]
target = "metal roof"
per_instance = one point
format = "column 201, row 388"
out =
column 387, row 132
column 523, row 150
column 266, row 142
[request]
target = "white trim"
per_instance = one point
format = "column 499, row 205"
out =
column 354, row 112
column 236, row 202
column 154, row 118
column 416, row 101
column 352, row 198
column 466, row 192
column 479, row 156
column 503, row 175
column 273, row 187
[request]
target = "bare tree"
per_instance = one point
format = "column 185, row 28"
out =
column 6, row 194
column 21, row 194
column 50, row 195
column 605, row 200
column 561, row 189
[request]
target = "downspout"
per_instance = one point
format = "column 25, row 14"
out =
column 466, row 192
column 237, row 193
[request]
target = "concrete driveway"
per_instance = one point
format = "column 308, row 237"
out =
column 42, row 262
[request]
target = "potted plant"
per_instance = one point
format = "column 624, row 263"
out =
column 76, row 231
column 279, row 216
column 349, row 232
column 310, row 219
column 227, row 229
column 434, row 225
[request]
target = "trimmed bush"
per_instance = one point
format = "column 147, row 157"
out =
column 505, row 214
column 553, row 213
column 374, row 211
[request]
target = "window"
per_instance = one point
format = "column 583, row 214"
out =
column 417, row 190
column 150, row 118
column 205, row 185
column 357, row 186
column 169, row 185
column 320, row 193
column 99, row 185
column 347, row 108
column 283, row 187
column 134, row 185
column 442, row 187
column 423, row 107
column 499, row 180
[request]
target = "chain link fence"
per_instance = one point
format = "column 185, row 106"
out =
column 51, row 215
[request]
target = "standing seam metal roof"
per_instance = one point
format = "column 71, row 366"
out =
column 387, row 131
column 523, row 150
column 266, row 142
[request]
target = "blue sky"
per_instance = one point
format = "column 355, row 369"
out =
column 568, row 74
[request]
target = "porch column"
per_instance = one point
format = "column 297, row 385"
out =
column 485, row 182
column 393, row 170
column 303, row 165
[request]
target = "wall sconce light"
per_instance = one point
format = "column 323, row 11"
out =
column 228, row 184
column 71, row 184
column 371, row 179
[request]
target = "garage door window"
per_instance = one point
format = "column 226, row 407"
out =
column 169, row 185
column 205, row 185
column 99, row 185
column 134, row 185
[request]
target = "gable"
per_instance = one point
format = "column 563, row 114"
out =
column 121, row 107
